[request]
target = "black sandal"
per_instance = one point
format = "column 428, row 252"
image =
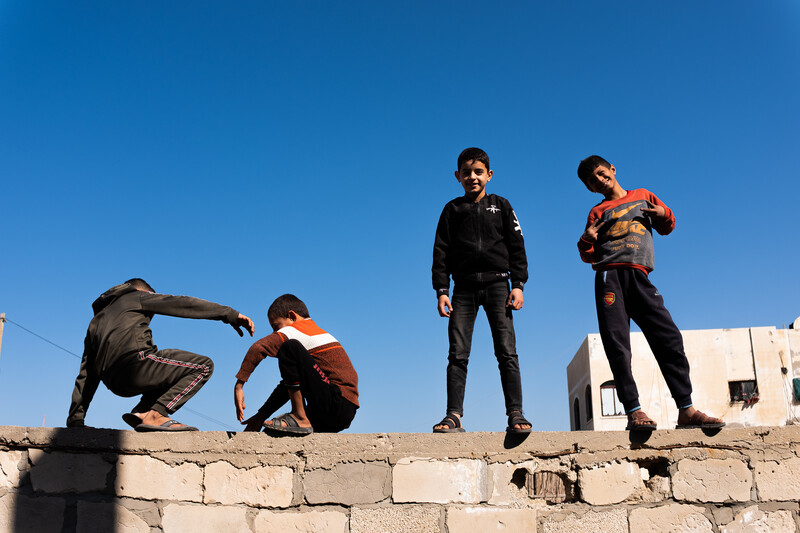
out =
column 452, row 424
column 516, row 418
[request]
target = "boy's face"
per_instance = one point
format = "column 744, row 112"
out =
column 280, row 322
column 603, row 180
column 474, row 176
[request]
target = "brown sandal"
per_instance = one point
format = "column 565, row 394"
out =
column 643, row 423
column 700, row 420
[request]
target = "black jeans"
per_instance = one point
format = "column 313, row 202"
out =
column 325, row 407
column 623, row 294
column 166, row 379
column 467, row 298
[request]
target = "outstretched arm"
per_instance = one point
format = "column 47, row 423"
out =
column 85, row 386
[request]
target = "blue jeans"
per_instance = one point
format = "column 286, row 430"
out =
column 467, row 298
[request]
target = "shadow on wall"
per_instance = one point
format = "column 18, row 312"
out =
column 68, row 492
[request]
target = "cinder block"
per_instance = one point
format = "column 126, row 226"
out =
column 185, row 518
column 140, row 476
column 58, row 472
column 301, row 522
column 24, row 514
column 265, row 486
column 10, row 474
column 712, row 480
column 614, row 521
column 503, row 491
column 94, row 517
column 610, row 483
column 396, row 519
column 349, row 483
column 488, row 519
column 778, row 481
column 439, row 481
column 752, row 519
column 673, row 518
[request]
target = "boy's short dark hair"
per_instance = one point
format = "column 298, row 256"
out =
column 283, row 304
column 140, row 285
column 473, row 154
column 587, row 166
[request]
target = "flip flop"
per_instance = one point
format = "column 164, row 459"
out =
column 452, row 423
column 514, row 419
column 169, row 425
column 131, row 419
column 700, row 420
column 291, row 427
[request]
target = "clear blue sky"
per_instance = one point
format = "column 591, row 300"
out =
column 235, row 151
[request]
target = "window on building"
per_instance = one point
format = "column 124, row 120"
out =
column 743, row 391
column 588, row 402
column 576, row 414
column 609, row 403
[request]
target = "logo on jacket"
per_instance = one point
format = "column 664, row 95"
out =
column 517, row 225
column 608, row 298
column 493, row 209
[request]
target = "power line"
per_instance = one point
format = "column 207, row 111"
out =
column 196, row 413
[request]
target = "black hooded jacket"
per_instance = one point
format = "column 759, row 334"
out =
column 121, row 327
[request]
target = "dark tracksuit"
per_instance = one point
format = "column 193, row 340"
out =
column 119, row 351
column 479, row 244
column 623, row 256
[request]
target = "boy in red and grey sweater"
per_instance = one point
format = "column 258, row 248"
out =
column 618, row 242
column 317, row 376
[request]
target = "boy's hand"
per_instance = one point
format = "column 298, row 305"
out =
column 444, row 305
column 243, row 322
column 515, row 299
column 655, row 211
column 592, row 230
column 238, row 400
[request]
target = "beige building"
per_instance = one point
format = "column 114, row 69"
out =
column 746, row 376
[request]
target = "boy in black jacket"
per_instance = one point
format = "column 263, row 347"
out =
column 119, row 351
column 478, row 241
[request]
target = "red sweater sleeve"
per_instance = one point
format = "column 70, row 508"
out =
column 262, row 348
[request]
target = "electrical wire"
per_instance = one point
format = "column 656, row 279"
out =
column 196, row 413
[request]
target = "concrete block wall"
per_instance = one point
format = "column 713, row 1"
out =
column 95, row 480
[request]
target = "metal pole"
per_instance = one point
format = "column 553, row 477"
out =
column 2, row 323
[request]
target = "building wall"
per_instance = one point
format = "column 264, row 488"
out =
column 92, row 480
column 716, row 357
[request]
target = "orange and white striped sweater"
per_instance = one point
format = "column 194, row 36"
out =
column 323, row 347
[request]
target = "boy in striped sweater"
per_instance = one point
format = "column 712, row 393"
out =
column 317, row 376
column 618, row 242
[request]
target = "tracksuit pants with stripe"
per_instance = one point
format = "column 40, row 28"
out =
column 623, row 294
column 166, row 379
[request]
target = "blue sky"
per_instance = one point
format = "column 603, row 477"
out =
column 238, row 151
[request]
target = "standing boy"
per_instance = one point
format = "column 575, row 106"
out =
column 317, row 376
column 618, row 242
column 478, row 242
column 119, row 351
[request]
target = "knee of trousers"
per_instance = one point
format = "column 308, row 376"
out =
column 458, row 358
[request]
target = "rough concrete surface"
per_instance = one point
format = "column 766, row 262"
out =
column 396, row 519
column 263, row 486
column 349, row 483
column 88, row 480
column 712, row 480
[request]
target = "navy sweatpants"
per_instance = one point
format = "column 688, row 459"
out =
column 623, row 294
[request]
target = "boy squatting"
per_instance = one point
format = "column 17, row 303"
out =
column 478, row 242
column 317, row 376
column 119, row 351
column 618, row 242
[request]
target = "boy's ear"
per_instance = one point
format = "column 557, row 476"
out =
column 458, row 176
column 294, row 317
